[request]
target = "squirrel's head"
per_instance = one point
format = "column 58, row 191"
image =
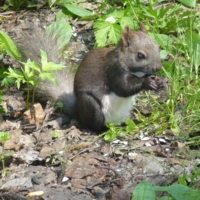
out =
column 138, row 52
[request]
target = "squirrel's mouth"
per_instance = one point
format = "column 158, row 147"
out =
column 140, row 74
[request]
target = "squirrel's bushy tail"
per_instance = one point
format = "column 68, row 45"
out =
column 30, row 44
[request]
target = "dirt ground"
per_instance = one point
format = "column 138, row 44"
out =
column 64, row 162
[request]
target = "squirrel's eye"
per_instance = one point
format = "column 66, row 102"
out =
column 141, row 55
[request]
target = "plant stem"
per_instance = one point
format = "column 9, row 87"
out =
column 33, row 95
column 3, row 159
column 28, row 96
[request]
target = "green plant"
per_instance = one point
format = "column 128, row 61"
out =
column 3, row 138
column 70, row 9
column 50, row 159
column 16, row 4
column 190, row 179
column 9, row 46
column 55, row 134
column 145, row 191
column 31, row 73
column 113, row 131
column 1, row 99
column 59, row 105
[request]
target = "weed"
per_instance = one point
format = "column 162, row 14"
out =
column 113, row 130
column 3, row 138
column 59, row 105
column 16, row 4
column 145, row 190
column 31, row 73
column 55, row 134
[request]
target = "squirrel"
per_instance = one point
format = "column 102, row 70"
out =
column 107, row 80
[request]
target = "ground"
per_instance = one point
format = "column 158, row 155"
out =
column 63, row 161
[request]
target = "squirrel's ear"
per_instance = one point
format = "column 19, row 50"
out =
column 127, row 35
column 142, row 27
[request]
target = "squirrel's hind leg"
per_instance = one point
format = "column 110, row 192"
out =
column 89, row 112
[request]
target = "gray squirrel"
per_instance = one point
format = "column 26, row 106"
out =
column 107, row 80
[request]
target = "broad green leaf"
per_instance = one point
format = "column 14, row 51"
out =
column 189, row 3
column 115, row 33
column 98, row 25
column 10, row 46
column 63, row 14
column 111, row 20
column 77, row 10
column 163, row 54
column 7, row 82
column 49, row 76
column 62, row 2
column 48, row 66
column 101, row 34
column 130, row 125
column 165, row 198
column 61, row 32
column 118, row 14
column 143, row 191
column 178, row 191
column 127, row 20
column 162, row 39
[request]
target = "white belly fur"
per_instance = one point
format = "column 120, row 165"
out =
column 116, row 108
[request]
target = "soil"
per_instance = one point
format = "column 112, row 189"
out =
column 62, row 161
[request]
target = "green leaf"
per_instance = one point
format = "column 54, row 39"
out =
column 188, row 3
column 59, row 105
column 193, row 46
column 10, row 46
column 4, row 136
column 143, row 191
column 115, row 33
column 77, row 10
column 63, row 2
column 106, row 31
column 7, row 82
column 101, row 33
column 127, row 20
column 2, row 72
column 61, row 32
column 48, row 66
column 49, row 76
column 163, row 54
column 32, row 5
column 162, row 40
column 8, row 154
column 130, row 125
column 55, row 134
column 44, row 60
column 63, row 14
column 178, row 191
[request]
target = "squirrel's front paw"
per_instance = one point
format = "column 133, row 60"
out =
column 160, row 82
column 150, row 83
